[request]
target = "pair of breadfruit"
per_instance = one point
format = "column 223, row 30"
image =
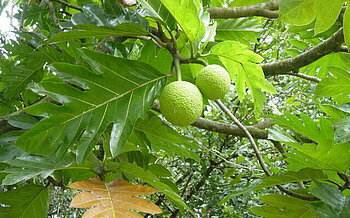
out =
column 181, row 102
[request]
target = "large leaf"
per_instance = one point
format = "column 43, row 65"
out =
column 283, row 206
column 297, row 12
column 306, row 126
column 119, row 91
column 88, row 30
column 28, row 201
column 162, row 137
column 242, row 30
column 307, row 174
column 327, row 12
column 242, row 66
column 27, row 167
column 336, row 86
column 302, row 12
column 321, row 66
column 113, row 199
column 186, row 13
column 334, row 204
column 159, row 12
column 325, row 156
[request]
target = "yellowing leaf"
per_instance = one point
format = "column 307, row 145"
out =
column 114, row 199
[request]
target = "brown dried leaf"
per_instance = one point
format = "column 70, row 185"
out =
column 114, row 199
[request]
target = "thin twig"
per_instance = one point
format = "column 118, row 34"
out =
column 258, row 155
column 56, row 183
column 52, row 13
column 249, row 136
column 304, row 76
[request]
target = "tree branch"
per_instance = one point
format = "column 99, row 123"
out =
column 56, row 183
column 293, row 64
column 52, row 13
column 256, row 131
column 266, row 9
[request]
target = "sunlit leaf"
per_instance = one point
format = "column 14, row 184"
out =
column 242, row 30
column 302, row 12
column 325, row 156
column 242, row 66
column 306, row 126
column 186, row 14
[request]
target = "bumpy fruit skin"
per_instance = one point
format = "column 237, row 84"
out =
column 181, row 103
column 213, row 81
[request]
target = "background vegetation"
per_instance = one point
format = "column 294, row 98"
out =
column 79, row 82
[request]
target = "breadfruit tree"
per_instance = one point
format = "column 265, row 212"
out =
column 175, row 108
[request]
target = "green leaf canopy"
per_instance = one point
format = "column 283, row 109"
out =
column 117, row 91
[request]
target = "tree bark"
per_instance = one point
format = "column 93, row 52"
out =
column 266, row 9
column 332, row 44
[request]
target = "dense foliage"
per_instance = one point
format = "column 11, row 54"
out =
column 79, row 87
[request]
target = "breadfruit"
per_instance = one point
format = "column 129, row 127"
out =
column 181, row 103
column 213, row 81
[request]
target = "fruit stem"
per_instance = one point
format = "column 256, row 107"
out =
column 178, row 69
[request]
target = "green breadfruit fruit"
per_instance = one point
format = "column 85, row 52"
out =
column 181, row 103
column 213, row 81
